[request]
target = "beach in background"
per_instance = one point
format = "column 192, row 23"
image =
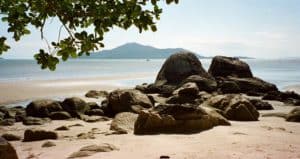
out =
column 23, row 80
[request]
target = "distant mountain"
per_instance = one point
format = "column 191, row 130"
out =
column 239, row 57
column 134, row 51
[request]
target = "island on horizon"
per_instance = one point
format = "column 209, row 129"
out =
column 135, row 50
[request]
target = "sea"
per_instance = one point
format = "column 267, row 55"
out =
column 282, row 72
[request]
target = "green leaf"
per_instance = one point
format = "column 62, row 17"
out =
column 153, row 28
column 84, row 21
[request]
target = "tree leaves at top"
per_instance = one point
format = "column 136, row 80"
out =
column 74, row 15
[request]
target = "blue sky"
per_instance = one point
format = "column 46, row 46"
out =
column 256, row 28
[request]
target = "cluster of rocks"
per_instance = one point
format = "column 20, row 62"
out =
column 8, row 116
column 182, row 80
column 182, row 85
column 41, row 111
column 185, row 98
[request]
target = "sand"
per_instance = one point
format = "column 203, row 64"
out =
column 268, row 138
column 13, row 92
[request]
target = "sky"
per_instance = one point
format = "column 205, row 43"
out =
column 253, row 28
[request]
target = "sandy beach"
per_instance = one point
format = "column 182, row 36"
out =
column 17, row 91
column 270, row 137
column 150, row 79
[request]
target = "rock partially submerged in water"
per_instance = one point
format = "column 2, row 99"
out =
column 176, row 119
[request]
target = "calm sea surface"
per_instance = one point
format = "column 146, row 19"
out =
column 281, row 72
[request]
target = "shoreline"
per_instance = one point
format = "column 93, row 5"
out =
column 19, row 91
column 16, row 92
column 294, row 87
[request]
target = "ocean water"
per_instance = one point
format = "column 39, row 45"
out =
column 282, row 72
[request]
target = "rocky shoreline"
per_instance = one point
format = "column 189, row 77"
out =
column 185, row 99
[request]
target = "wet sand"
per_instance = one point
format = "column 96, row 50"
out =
column 13, row 92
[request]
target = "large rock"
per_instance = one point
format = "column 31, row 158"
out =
column 178, row 67
column 241, row 109
column 75, row 106
column 123, row 100
column 222, row 66
column 253, row 85
column 36, row 134
column 124, row 122
column 294, row 115
column 42, row 108
column 7, row 151
column 234, row 107
column 175, row 119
